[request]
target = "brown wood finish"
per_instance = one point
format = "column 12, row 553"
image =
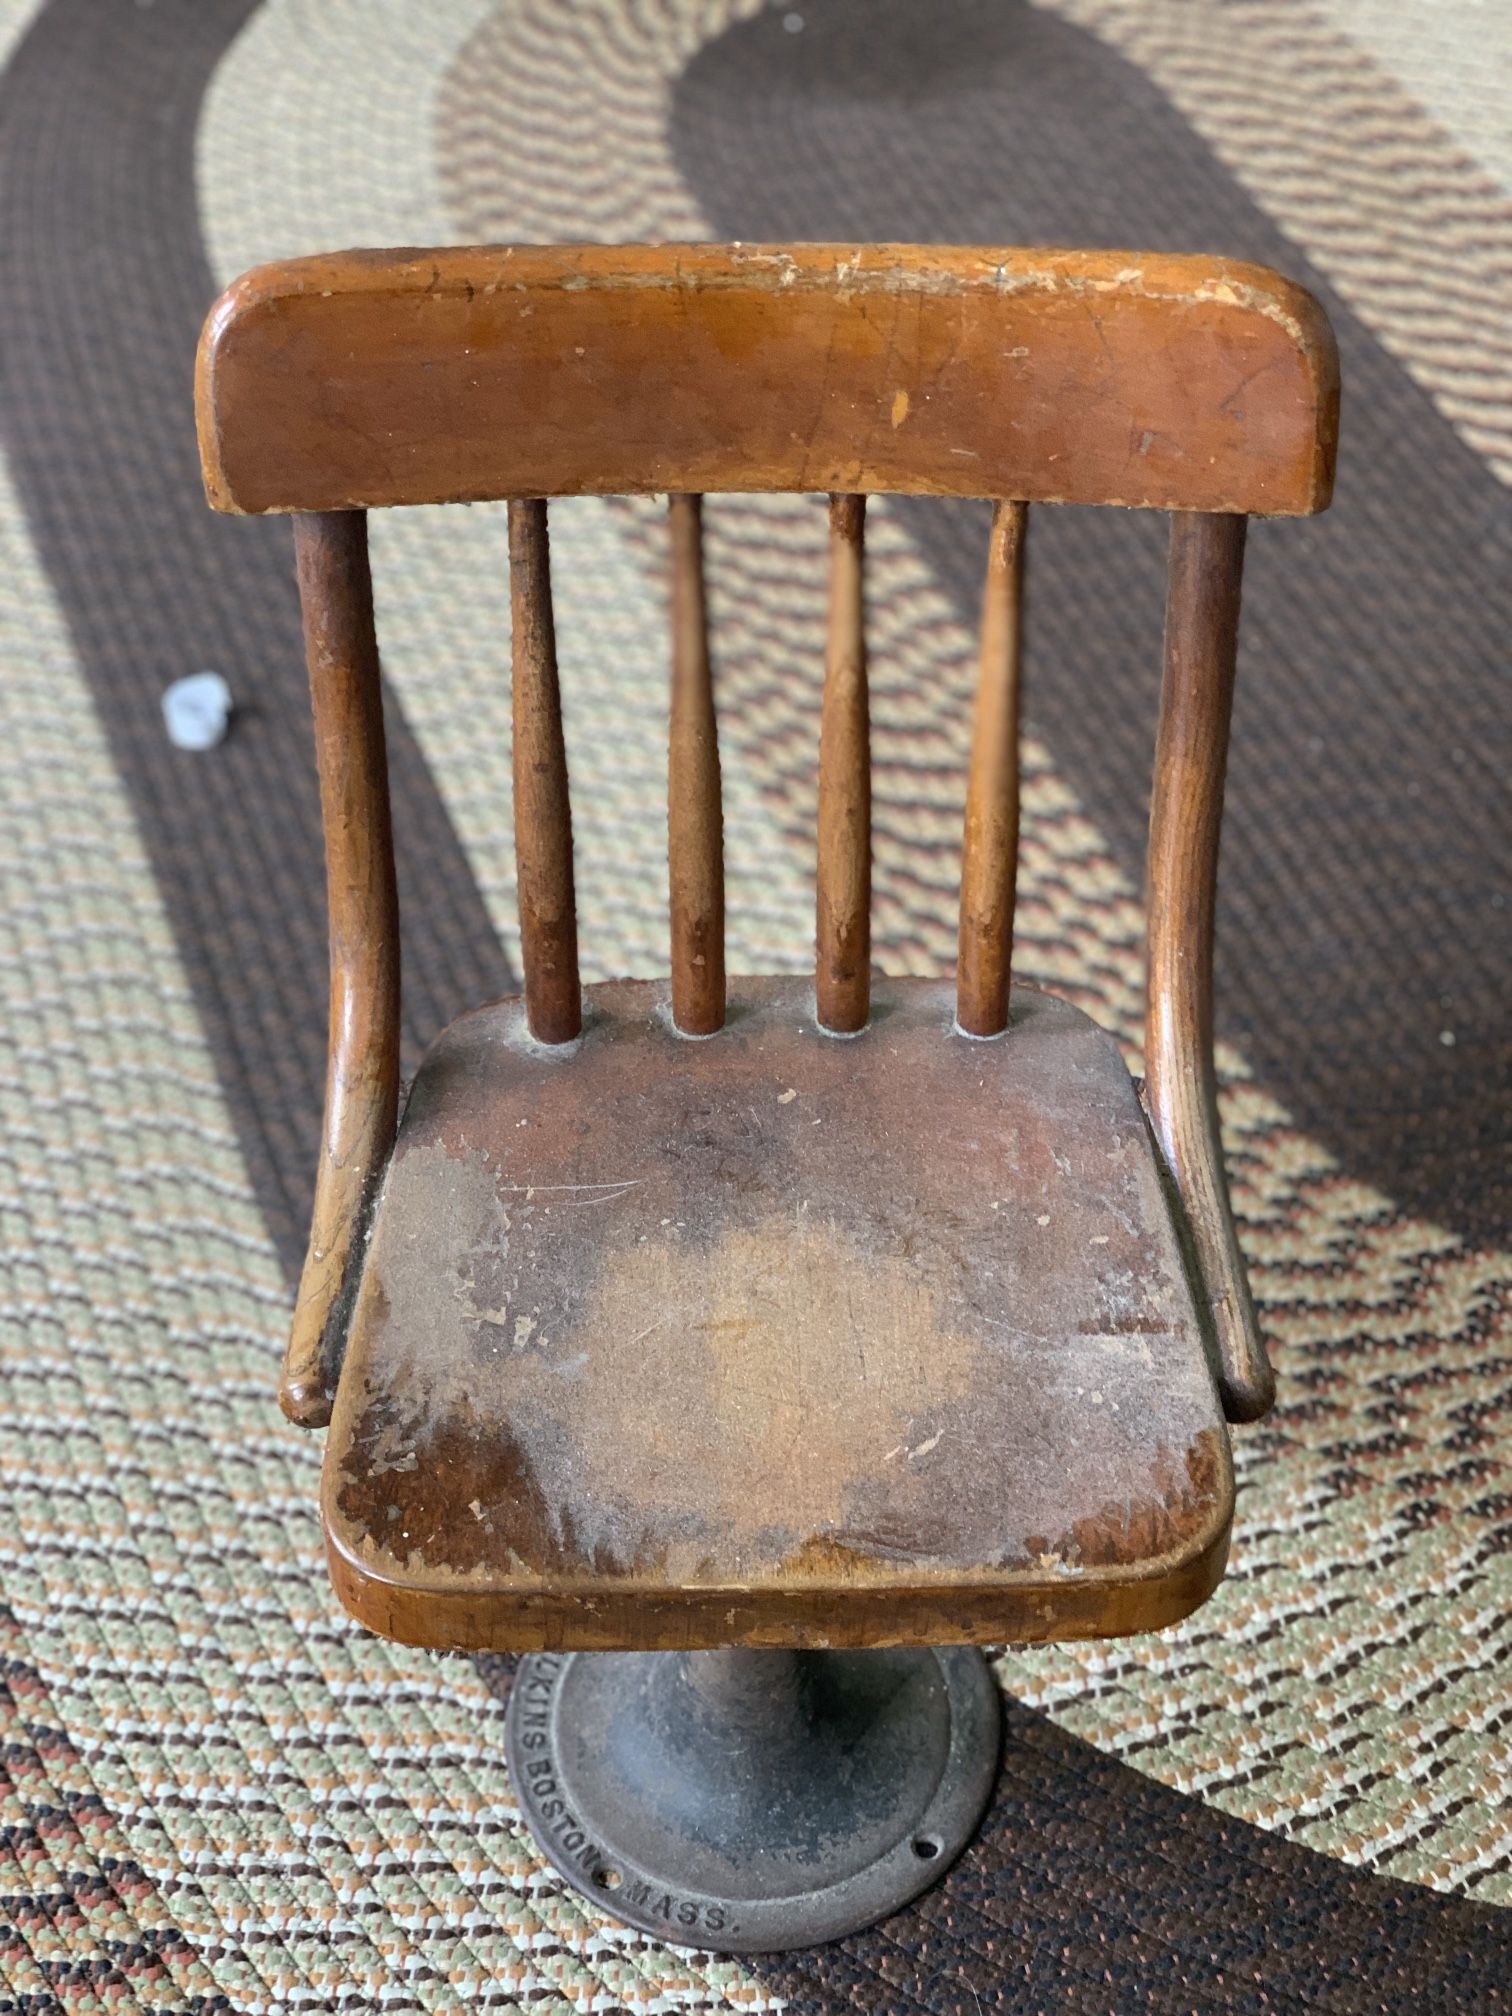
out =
column 362, row 1071
column 771, row 1340
column 1186, row 812
column 797, row 1615
column 892, row 1343
column 511, row 371
column 542, row 809
column 842, row 979
column 695, row 819
column 989, row 850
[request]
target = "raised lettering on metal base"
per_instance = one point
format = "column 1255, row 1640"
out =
column 749, row 1802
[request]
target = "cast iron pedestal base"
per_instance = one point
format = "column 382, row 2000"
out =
column 748, row 1802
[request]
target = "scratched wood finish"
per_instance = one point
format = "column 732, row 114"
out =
column 842, row 979
column 1191, row 757
column 362, row 1071
column 975, row 1410
column 989, row 850
column 542, row 808
column 883, row 1341
column 695, row 820
column 835, row 1615
column 508, row 371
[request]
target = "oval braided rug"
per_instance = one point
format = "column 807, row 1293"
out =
column 217, row 1793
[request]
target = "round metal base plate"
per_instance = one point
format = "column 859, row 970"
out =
column 750, row 1802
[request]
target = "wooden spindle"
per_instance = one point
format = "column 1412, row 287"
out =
column 542, row 809
column 362, row 1064
column 989, row 853
column 1191, row 756
column 695, row 821
column 842, row 983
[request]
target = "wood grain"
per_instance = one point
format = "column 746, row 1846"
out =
column 842, row 979
column 889, row 1441
column 882, row 1341
column 542, row 808
column 695, row 819
column 362, row 1071
column 836, row 1613
column 989, row 850
column 507, row 371
column 1191, row 757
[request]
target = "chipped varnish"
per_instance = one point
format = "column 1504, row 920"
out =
column 368, row 378
column 774, row 1339
column 771, row 1339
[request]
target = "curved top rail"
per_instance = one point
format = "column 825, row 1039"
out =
column 413, row 377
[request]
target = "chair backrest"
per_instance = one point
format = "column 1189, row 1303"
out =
column 1208, row 389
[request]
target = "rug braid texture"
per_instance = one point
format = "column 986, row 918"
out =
column 216, row 1793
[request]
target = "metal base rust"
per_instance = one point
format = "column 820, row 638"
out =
column 750, row 1802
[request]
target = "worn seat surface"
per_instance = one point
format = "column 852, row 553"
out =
column 774, row 1337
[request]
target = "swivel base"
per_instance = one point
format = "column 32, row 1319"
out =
column 749, row 1802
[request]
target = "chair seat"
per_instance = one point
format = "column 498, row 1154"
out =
column 774, row 1338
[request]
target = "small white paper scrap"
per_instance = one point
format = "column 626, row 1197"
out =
column 196, row 710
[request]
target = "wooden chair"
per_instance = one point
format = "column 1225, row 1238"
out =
column 664, row 1320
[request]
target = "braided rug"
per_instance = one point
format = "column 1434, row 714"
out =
column 216, row 1793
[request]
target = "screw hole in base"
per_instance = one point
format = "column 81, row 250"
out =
column 602, row 1709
